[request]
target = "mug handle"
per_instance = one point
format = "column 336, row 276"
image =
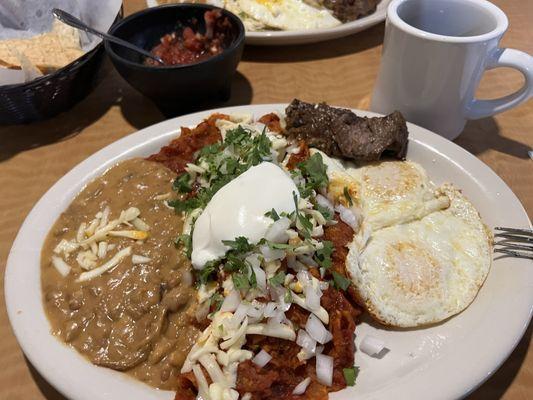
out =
column 516, row 59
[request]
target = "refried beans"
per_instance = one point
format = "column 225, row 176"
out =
column 136, row 316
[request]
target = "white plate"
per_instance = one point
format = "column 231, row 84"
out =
column 443, row 362
column 273, row 38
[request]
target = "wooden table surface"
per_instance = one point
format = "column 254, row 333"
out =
column 340, row 72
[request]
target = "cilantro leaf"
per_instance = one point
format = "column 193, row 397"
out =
column 326, row 212
column 186, row 205
column 240, row 281
column 288, row 296
column 350, row 375
column 314, row 171
column 204, row 275
column 239, row 245
column 215, row 302
column 307, row 226
column 234, row 263
column 182, row 184
column 340, row 282
column 278, row 279
column 347, row 196
column 323, row 256
column 186, row 242
column 272, row 214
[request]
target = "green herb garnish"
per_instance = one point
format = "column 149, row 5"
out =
column 348, row 197
column 350, row 375
column 239, row 245
column 240, row 281
column 340, row 282
column 272, row 214
column 186, row 242
column 323, row 256
column 314, row 171
column 182, row 184
column 204, row 275
column 278, row 279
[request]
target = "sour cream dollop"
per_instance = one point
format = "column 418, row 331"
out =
column 238, row 209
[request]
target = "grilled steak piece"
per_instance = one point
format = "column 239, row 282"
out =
column 339, row 132
column 350, row 10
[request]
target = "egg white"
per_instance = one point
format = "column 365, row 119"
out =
column 288, row 14
column 394, row 192
column 424, row 271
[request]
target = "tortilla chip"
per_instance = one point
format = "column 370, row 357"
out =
column 48, row 51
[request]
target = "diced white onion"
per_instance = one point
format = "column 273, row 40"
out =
column 324, row 202
column 324, row 369
column 260, row 277
column 138, row 259
column 307, row 260
column 262, row 358
column 269, row 310
column 231, row 302
column 305, row 341
column 239, row 315
column 61, row 266
column 371, row 345
column 316, row 330
column 347, row 216
column 271, row 254
column 255, row 310
column 201, row 311
column 321, row 313
column 277, row 231
column 302, row 386
column 317, row 231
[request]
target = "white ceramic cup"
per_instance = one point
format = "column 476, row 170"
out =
column 434, row 55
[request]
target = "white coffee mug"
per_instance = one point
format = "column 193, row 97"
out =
column 434, row 55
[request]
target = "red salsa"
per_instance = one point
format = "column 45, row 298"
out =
column 187, row 46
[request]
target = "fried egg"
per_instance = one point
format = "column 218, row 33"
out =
column 288, row 14
column 395, row 192
column 424, row 271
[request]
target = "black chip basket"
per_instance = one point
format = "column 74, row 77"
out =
column 51, row 94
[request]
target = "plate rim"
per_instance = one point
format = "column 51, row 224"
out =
column 142, row 138
column 266, row 38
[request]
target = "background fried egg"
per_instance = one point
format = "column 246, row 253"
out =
column 424, row 271
column 288, row 14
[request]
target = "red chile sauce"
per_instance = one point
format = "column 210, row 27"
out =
column 189, row 46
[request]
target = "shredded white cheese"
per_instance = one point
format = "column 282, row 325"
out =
column 61, row 266
column 117, row 258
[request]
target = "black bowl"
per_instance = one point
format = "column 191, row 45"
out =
column 178, row 88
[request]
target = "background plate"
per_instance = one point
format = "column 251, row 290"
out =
column 447, row 360
column 274, row 38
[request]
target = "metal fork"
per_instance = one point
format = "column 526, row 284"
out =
column 514, row 242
